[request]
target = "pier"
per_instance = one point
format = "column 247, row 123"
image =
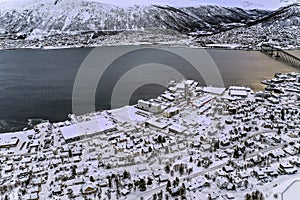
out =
column 281, row 55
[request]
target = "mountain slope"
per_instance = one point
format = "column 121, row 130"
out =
column 288, row 16
column 75, row 16
column 85, row 22
column 207, row 19
column 71, row 16
column 280, row 27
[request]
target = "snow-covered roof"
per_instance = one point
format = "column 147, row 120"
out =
column 158, row 124
column 239, row 88
column 172, row 109
column 240, row 93
column 177, row 127
column 8, row 142
column 98, row 125
column 214, row 90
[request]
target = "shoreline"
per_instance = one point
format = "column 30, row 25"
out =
column 136, row 45
column 189, row 122
column 40, row 120
column 24, row 121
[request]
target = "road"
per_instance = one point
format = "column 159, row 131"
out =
column 161, row 187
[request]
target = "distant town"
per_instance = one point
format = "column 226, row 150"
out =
column 68, row 24
column 191, row 142
column 246, row 39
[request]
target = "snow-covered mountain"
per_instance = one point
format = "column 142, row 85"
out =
column 280, row 27
column 285, row 16
column 244, row 4
column 60, row 19
column 74, row 16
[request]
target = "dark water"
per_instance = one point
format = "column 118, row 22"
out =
column 38, row 84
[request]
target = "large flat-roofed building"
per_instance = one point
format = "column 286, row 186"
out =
column 213, row 90
column 149, row 106
column 12, row 139
column 247, row 89
column 202, row 101
column 9, row 142
column 236, row 91
column 177, row 128
column 171, row 112
column 155, row 123
column 85, row 129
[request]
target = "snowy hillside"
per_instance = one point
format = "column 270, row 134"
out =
column 36, row 20
column 280, row 28
column 70, row 16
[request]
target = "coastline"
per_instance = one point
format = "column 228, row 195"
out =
column 111, row 45
column 175, row 127
column 171, row 129
column 239, row 67
column 145, row 44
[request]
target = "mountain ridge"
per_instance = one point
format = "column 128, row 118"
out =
column 65, row 18
column 83, row 15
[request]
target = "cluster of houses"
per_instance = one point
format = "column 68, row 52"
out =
column 57, row 39
column 191, row 140
column 252, row 37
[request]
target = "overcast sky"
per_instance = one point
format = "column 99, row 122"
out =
column 266, row 4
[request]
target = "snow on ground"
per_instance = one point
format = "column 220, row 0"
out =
column 227, row 150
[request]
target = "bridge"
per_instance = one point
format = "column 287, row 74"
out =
column 280, row 55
